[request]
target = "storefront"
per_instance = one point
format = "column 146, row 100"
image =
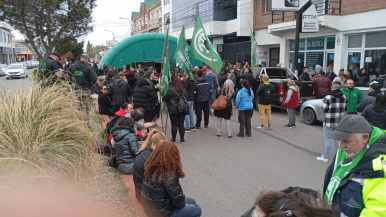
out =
column 5, row 55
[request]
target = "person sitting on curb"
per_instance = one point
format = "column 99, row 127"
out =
column 355, row 182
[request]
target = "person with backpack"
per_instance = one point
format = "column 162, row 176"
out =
column 176, row 100
column 265, row 97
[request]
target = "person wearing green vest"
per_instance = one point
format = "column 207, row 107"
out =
column 354, row 96
column 355, row 182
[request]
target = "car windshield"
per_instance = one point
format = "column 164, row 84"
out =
column 2, row 66
column 15, row 67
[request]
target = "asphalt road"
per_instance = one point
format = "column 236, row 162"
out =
column 225, row 175
column 16, row 83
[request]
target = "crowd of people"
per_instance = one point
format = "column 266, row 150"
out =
column 355, row 182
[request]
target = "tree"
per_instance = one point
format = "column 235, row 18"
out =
column 90, row 50
column 48, row 22
column 73, row 46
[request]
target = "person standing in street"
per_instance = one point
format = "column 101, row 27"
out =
column 189, row 86
column 211, row 76
column 226, row 113
column 265, row 97
column 334, row 106
column 290, row 101
column 355, row 182
column 375, row 113
column 323, row 84
column 354, row 96
column 84, row 77
column 305, row 76
column 201, row 102
column 145, row 97
column 245, row 106
column 374, row 90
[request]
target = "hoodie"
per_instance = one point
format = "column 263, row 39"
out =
column 334, row 106
column 368, row 100
column 354, row 97
column 144, row 96
column 119, row 92
column 83, row 73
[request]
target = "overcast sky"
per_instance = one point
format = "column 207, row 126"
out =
column 106, row 17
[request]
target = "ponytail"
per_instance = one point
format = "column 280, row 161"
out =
column 380, row 100
column 245, row 84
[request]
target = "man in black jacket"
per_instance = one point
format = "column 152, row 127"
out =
column 222, row 78
column 190, row 86
column 145, row 97
column 305, row 76
column 246, row 75
column 374, row 90
column 49, row 66
column 265, row 95
column 201, row 103
column 119, row 93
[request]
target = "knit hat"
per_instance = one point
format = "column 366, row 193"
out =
column 318, row 68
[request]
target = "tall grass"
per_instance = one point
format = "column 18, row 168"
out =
column 45, row 127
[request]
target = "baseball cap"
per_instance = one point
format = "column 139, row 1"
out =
column 349, row 125
column 56, row 54
column 375, row 85
column 84, row 56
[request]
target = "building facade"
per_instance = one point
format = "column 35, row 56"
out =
column 351, row 35
column 6, row 44
column 24, row 52
column 149, row 17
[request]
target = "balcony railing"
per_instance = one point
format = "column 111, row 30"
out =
column 154, row 21
column 137, row 28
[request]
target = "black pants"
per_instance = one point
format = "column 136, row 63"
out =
column 245, row 117
column 148, row 116
column 177, row 121
column 199, row 107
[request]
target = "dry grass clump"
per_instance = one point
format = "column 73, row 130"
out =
column 45, row 128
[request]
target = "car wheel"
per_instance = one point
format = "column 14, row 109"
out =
column 309, row 116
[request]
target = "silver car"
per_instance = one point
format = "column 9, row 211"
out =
column 16, row 71
column 2, row 69
column 311, row 110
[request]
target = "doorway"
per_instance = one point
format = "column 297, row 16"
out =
column 274, row 55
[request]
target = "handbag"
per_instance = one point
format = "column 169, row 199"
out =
column 221, row 102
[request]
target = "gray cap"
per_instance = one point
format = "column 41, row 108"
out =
column 349, row 125
column 318, row 68
column 84, row 56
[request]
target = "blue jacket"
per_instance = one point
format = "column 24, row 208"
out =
column 244, row 100
column 211, row 76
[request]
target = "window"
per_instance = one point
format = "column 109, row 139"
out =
column 354, row 41
column 166, row 17
column 331, row 43
column 142, row 20
column 160, row 13
column 4, row 38
column 376, row 39
column 156, row 14
column 145, row 19
column 166, row 2
column 267, row 5
column 8, row 38
column 1, row 38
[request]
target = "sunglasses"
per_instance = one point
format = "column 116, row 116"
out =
column 104, row 88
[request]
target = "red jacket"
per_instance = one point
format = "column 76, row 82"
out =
column 323, row 85
column 293, row 103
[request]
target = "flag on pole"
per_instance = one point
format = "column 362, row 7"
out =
column 166, row 68
column 199, row 51
column 254, row 62
column 182, row 56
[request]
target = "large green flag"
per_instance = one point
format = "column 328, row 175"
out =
column 182, row 55
column 253, row 49
column 165, row 80
column 199, row 51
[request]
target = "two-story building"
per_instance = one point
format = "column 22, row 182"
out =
column 24, row 52
column 351, row 34
column 149, row 18
column 6, row 44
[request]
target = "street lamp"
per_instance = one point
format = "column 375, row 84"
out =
column 112, row 33
column 131, row 23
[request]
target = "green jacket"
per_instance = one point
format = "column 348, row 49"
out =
column 126, row 145
column 354, row 97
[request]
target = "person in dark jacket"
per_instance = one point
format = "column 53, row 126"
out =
column 265, row 97
column 376, row 113
column 119, row 93
column 331, row 75
column 189, row 85
column 246, row 75
column 104, row 103
column 323, row 85
column 126, row 146
column 177, row 117
column 349, row 74
column 144, row 153
column 305, row 76
column 226, row 113
column 109, row 80
column 145, row 97
column 49, row 65
column 140, row 75
column 222, row 78
column 162, row 194
column 374, row 90
column 361, row 79
column 201, row 102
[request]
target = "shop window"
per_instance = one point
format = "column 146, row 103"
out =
column 313, row 59
column 376, row 39
column 354, row 41
column 274, row 57
column 354, row 61
column 375, row 62
column 331, row 43
column 300, row 61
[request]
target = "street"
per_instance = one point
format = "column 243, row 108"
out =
column 225, row 175
column 14, row 84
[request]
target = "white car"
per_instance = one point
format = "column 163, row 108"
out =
column 16, row 71
column 2, row 69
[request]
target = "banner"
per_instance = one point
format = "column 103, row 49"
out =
column 200, row 52
column 254, row 62
column 182, row 55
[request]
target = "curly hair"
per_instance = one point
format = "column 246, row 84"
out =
column 164, row 161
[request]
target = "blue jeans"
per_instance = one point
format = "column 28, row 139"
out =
column 190, row 209
column 126, row 168
column 212, row 99
column 327, row 141
column 189, row 118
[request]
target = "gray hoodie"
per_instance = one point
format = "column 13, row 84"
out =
column 291, row 90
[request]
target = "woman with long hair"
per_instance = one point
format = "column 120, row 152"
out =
column 172, row 97
column 245, row 106
column 375, row 114
column 349, row 74
column 104, row 102
column 340, row 78
column 226, row 113
column 162, row 193
column 361, row 79
column 290, row 101
column 151, row 142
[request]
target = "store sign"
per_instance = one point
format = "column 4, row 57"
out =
column 310, row 20
column 7, row 50
column 354, row 59
column 286, row 5
column 312, row 44
column 302, row 44
column 331, row 56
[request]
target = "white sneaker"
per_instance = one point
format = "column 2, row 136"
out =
column 321, row 158
column 261, row 127
column 269, row 127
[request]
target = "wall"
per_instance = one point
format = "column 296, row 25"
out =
column 358, row 6
column 263, row 19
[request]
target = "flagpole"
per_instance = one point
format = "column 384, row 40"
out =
column 215, row 71
column 257, row 58
column 167, row 114
column 162, row 63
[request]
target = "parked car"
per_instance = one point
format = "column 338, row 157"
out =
column 311, row 111
column 279, row 77
column 16, row 71
column 2, row 69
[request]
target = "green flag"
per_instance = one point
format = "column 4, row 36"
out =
column 253, row 49
column 166, row 68
column 199, row 51
column 182, row 56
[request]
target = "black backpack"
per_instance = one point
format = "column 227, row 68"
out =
column 111, row 124
column 182, row 105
